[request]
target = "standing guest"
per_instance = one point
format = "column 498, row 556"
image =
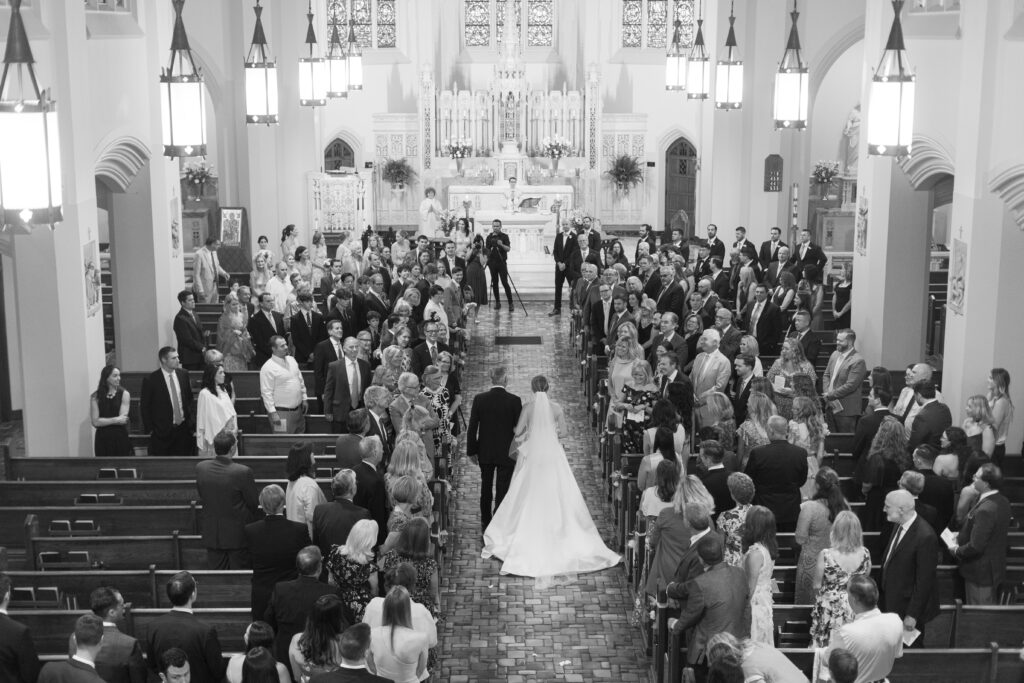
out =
column 325, row 353
column 784, row 373
column 354, row 645
column 753, row 432
column 119, row 659
column 565, row 263
column 843, row 666
column 723, row 421
column 698, row 518
column 731, row 521
column 347, row 450
column 257, row 664
column 399, row 651
column 816, row 296
column 426, row 354
column 842, row 383
column 1002, row 410
column 760, row 552
column 731, row 335
column 108, row 412
column 639, row 394
column 291, row 602
column 377, row 400
column 307, row 330
column 333, row 521
column 227, row 491
column 316, row 650
column 981, row 543
column 233, row 339
column 874, row 638
column 343, row 390
column 956, row 461
column 498, row 245
column 763, row 319
column 387, row 374
column 166, row 406
column 438, row 396
column 409, row 497
column 288, row 239
column 658, row 496
column 769, row 251
column 847, row 558
column 19, row 662
column 262, row 271
column 715, row 477
column 841, row 299
column 739, row 390
column 371, row 493
column 283, row 390
column 778, row 471
column 303, row 494
column 79, row 667
column 809, row 340
column 664, row 449
column 403, row 575
column 492, row 422
column 807, row 430
column 913, row 483
column 937, row 491
column 272, row 542
column 907, row 407
column 215, row 410
column 813, row 527
column 414, row 547
column 886, row 461
column 263, row 326
column 909, row 566
column 206, row 271
column 280, row 287
column 181, row 629
column 672, row 532
column 476, row 278
column 867, row 427
column 667, row 334
column 932, row 419
column 979, row 425
column 351, row 567
column 784, row 295
column 710, row 374
column 807, row 253
column 664, row 414
column 760, row 663
column 408, row 397
column 189, row 333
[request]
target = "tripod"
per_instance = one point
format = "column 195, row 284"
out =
column 516, row 290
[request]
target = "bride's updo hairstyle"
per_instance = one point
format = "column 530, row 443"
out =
column 539, row 383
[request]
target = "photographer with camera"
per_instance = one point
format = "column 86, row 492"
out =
column 498, row 245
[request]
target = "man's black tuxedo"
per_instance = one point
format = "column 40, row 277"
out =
column 273, row 544
column 778, row 470
column 908, row 573
column 421, row 357
column 306, row 337
column 191, row 341
column 230, row 501
column 716, row 247
column 452, row 264
column 198, row 639
column 323, row 355
column 290, row 604
column 701, row 268
column 811, row 343
column 812, row 256
column 929, row 424
column 332, row 522
column 938, row 492
column 260, row 330
column 720, row 284
column 492, row 424
column 157, row 410
column 739, row 393
column 769, row 252
column 863, row 436
column 372, row 302
column 671, row 300
column 769, row 326
column 715, row 482
column 372, row 495
column 69, row 671
column 338, row 399
column 567, row 253
column 19, row 662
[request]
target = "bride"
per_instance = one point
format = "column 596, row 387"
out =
column 543, row 527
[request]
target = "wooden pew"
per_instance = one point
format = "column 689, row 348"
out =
column 108, row 520
column 174, row 550
column 977, row 625
column 131, row 491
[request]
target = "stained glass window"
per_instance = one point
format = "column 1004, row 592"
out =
column 683, row 11
column 386, row 23
column 484, row 22
column 363, row 12
column 649, row 23
column 538, row 26
column 499, row 20
column 657, row 23
column 478, row 23
column 632, row 23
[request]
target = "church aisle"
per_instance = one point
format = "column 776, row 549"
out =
column 501, row 628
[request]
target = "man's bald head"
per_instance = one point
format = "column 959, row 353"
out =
column 899, row 506
column 922, row 371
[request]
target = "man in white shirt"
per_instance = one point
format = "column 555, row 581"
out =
column 279, row 287
column 873, row 637
column 283, row 390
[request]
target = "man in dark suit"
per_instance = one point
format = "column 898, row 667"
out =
column 810, row 341
column 697, row 517
column 931, row 421
column 668, row 334
column 716, row 247
column 166, row 407
column 646, row 236
column 79, row 667
column 742, row 244
column 330, row 281
column 739, row 392
column 936, row 491
column 981, row 543
column 720, row 283
column 355, row 643
column 343, row 310
column 763, row 319
column 731, row 335
column 450, row 259
column 370, row 491
column 714, row 477
column 649, row 272
column 769, row 252
column 565, row 248
column 273, row 543
column 291, row 601
column 717, row 601
column 584, row 253
column 878, row 402
column 378, row 400
column 909, row 565
column 332, row 521
column 808, row 254
column 19, row 662
column 325, row 353
column 492, row 424
column 188, row 332
column 784, row 263
column 426, row 353
column 620, row 316
column 227, row 491
column 120, row 657
column 263, row 325
column 778, row 470
column 670, row 296
column 702, row 266
column 182, row 629
column 598, row 316
column 307, row 330
column 347, row 379
column 376, row 298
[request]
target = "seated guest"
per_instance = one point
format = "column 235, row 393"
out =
column 333, row 521
column 658, row 496
column 351, row 568
column 292, row 601
column 80, row 667
column 317, row 649
column 399, row 651
column 259, row 638
column 120, row 657
column 413, row 546
column 303, row 494
column 354, row 646
column 347, row 451
column 874, row 638
column 273, row 542
column 760, row 661
column 228, row 493
column 180, row 628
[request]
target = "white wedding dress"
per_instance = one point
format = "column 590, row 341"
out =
column 543, row 527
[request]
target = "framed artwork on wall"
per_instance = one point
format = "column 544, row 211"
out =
column 957, row 277
column 230, row 225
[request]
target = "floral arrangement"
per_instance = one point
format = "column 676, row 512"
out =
column 199, row 174
column 446, row 220
column 458, row 149
column 398, row 172
column 825, row 172
column 556, row 147
column 625, row 172
column 577, row 218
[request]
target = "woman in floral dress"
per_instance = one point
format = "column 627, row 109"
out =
column 413, row 546
column 639, row 395
column 233, row 338
column 846, row 558
column 352, row 569
column 730, row 522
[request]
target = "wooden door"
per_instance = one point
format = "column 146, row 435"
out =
column 680, row 185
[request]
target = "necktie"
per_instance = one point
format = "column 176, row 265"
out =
column 664, row 383
column 337, row 350
column 175, row 400
column 754, row 317
column 433, row 354
column 353, row 382
column 892, row 547
column 309, row 320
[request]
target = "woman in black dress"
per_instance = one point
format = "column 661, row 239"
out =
column 109, row 414
column 841, row 298
column 475, row 277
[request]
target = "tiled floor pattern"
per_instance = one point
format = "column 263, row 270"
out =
column 502, row 628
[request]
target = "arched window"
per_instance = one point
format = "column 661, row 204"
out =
column 649, row 23
column 483, row 22
column 338, row 155
column 375, row 24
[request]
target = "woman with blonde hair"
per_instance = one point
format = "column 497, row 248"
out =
column 406, row 461
column 233, row 338
column 1002, row 410
column 620, row 366
column 387, row 373
column 754, row 430
column 836, row 565
column 405, row 494
column 744, row 289
column 979, row 425
column 692, row 328
column 421, row 421
column 722, row 418
column 807, row 430
column 750, row 347
column 350, row 567
column 791, row 362
column 639, row 394
column 262, row 271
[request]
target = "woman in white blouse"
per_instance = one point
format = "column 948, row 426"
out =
column 303, row 493
column 397, row 652
column 215, row 410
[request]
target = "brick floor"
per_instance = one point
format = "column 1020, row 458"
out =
column 501, row 628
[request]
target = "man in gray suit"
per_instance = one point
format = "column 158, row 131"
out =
column 842, row 383
column 120, row 657
column 230, row 500
column 717, row 602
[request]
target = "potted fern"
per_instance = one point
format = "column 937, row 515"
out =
column 625, row 172
column 398, row 173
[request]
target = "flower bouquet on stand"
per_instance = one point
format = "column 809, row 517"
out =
column 458, row 149
column 555, row 147
column 824, row 174
column 196, row 176
column 446, row 221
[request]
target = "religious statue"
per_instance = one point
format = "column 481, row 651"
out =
column 851, row 132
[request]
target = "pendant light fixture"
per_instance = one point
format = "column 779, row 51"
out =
column 729, row 73
column 891, row 111
column 312, row 70
column 337, row 66
column 260, row 77
column 699, row 69
column 355, row 55
column 30, row 182
column 182, row 97
column 675, row 61
column 792, row 83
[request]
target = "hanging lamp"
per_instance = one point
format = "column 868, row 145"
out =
column 891, row 110
column 699, row 69
column 355, row 55
column 312, row 70
column 792, row 83
column 337, row 66
column 729, row 72
column 675, row 61
column 260, row 77
column 182, row 97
